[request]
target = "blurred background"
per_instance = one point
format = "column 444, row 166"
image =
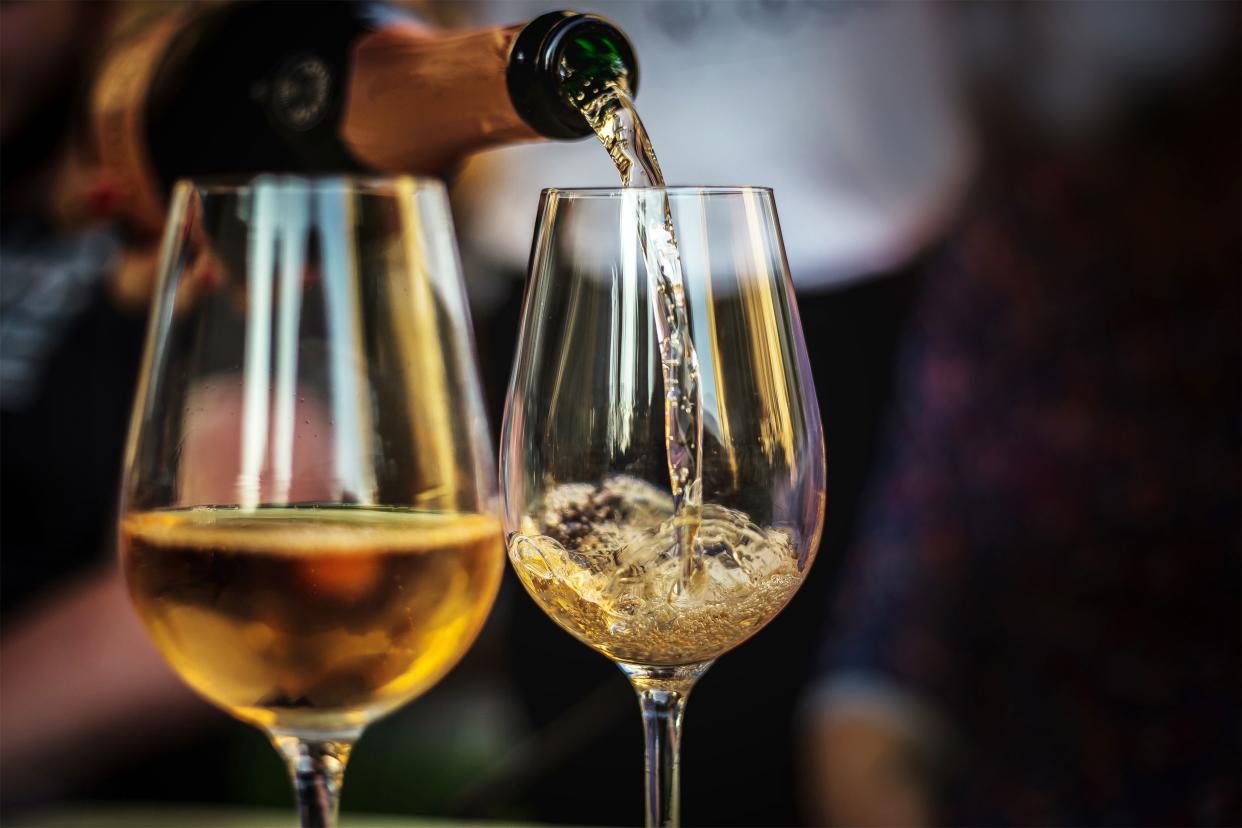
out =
column 1015, row 230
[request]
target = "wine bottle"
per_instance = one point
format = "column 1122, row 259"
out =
column 319, row 87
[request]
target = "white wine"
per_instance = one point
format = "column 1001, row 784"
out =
column 604, row 562
column 311, row 620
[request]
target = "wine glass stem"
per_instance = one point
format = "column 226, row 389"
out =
column 662, row 694
column 662, row 713
column 317, row 768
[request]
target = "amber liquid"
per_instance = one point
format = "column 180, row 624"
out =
column 311, row 620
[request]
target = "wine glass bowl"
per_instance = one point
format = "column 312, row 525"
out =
column 588, row 512
column 308, row 521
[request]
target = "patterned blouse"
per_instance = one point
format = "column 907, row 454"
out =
column 1050, row 560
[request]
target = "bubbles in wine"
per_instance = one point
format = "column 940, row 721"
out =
column 605, row 561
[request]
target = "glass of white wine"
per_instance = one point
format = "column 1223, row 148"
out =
column 309, row 525
column 662, row 459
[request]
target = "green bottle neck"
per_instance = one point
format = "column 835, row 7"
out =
column 562, row 60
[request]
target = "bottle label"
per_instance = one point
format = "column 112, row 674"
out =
column 118, row 116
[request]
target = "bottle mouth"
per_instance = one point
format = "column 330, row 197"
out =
column 534, row 73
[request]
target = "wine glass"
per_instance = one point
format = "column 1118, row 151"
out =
column 585, row 469
column 309, row 525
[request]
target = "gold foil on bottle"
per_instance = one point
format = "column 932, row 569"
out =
column 418, row 102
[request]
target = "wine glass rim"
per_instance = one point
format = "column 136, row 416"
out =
column 673, row 190
column 381, row 184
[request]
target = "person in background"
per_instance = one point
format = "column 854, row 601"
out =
column 1039, row 623
column 81, row 687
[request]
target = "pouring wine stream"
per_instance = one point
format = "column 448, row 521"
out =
column 612, row 115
